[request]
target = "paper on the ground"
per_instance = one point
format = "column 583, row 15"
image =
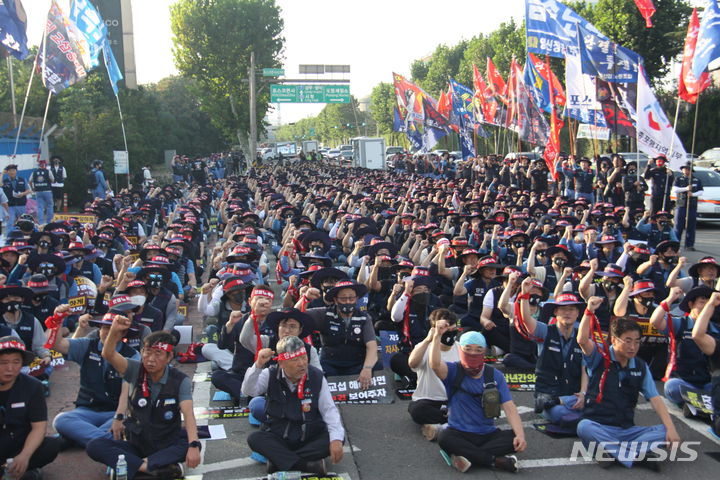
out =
column 186, row 334
column 217, row 432
column 221, row 396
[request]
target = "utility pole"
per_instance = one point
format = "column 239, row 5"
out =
column 253, row 114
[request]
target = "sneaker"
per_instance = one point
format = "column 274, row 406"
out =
column 317, row 466
column 170, row 472
column 258, row 457
column 430, row 432
column 508, row 463
column 34, row 474
column 461, row 464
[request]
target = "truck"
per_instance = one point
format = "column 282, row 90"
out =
column 368, row 152
column 309, row 146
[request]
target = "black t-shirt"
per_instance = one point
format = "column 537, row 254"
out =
column 715, row 358
column 34, row 398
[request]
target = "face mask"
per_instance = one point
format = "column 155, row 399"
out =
column 38, row 298
column 632, row 172
column 154, row 282
column 448, row 338
column 671, row 260
column 11, row 307
column 647, row 302
column 47, row 271
column 664, row 224
column 541, row 254
column 472, row 362
column 609, row 285
column 534, row 300
column 560, row 262
column 138, row 300
column 44, row 244
column 518, row 244
column 421, row 299
column 346, row 308
column 403, row 275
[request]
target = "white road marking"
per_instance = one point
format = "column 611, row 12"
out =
column 552, row 462
column 697, row 425
column 343, row 475
column 201, row 397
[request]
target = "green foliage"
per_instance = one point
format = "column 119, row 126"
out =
column 382, row 103
column 708, row 130
column 213, row 40
column 621, row 21
column 334, row 125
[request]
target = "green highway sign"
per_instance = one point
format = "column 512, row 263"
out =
column 309, row 93
column 273, row 72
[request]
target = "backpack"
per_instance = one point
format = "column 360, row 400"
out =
column 91, row 181
column 490, row 398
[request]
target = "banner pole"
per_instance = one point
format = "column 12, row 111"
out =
column 27, row 95
column 692, row 162
column 122, row 124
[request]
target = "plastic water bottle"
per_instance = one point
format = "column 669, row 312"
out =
column 8, row 464
column 121, row 468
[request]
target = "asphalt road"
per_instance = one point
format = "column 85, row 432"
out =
column 384, row 443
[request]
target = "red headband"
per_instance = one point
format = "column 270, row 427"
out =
column 165, row 347
column 290, row 355
column 13, row 344
column 262, row 292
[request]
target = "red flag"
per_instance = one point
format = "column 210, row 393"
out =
column 496, row 84
column 514, row 77
column 690, row 87
column 444, row 107
column 647, row 10
column 552, row 149
column 544, row 70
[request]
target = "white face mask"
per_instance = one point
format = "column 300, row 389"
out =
column 138, row 300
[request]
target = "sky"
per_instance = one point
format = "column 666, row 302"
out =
column 374, row 37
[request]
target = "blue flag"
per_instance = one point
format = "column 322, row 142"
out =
column 538, row 86
column 550, row 27
column 707, row 47
column 13, row 26
column 584, row 115
column 397, row 121
column 88, row 20
column 603, row 58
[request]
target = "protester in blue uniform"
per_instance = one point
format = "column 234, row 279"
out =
column 617, row 377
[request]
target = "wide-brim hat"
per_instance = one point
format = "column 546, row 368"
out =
column 488, row 262
column 15, row 291
column 611, row 271
column 644, row 285
column 147, row 270
column 423, row 280
column 372, row 251
column 11, row 344
column 705, row 261
column 360, row 289
column 561, row 249
column 233, row 284
column 319, row 276
column 662, row 214
column 54, row 239
column 307, row 325
column 315, row 257
column 701, row 291
column 667, row 244
column 562, row 300
column 36, row 259
column 307, row 238
column 39, row 284
column 605, row 239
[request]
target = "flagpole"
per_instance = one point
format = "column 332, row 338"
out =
column 12, row 89
column 42, row 128
column 677, row 114
column 692, row 161
column 27, row 95
column 122, row 124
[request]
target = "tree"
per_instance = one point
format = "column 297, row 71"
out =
column 621, row 21
column 213, row 40
column 382, row 103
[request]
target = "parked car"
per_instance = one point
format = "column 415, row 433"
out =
column 709, row 158
column 642, row 159
column 709, row 201
column 333, row 153
column 346, row 157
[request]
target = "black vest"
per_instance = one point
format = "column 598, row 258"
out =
column 152, row 318
column 153, row 426
column 340, row 343
column 58, row 174
column 551, row 278
column 692, row 364
column 41, row 180
column 25, row 328
column 161, row 300
column 619, row 398
column 16, row 425
column 20, row 186
column 284, row 410
column 100, row 386
column 556, row 375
